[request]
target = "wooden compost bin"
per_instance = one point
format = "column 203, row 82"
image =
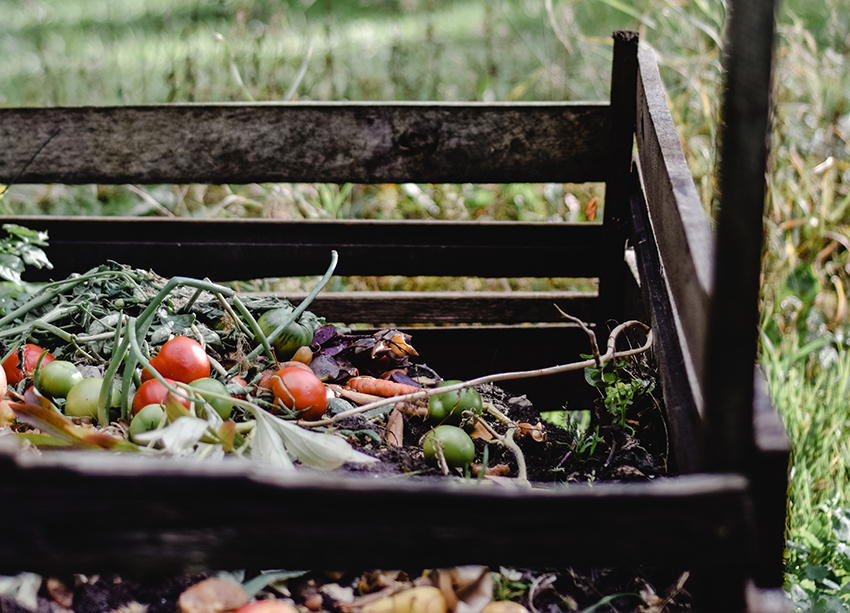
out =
column 90, row 512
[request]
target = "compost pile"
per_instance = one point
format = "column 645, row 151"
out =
column 123, row 360
column 278, row 384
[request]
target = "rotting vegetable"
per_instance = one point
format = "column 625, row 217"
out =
column 215, row 384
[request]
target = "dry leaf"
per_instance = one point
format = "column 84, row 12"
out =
column 394, row 432
column 422, row 599
column 59, row 592
column 534, row 431
column 467, row 589
column 379, row 579
column 7, row 415
column 499, row 470
column 213, row 596
column 481, row 432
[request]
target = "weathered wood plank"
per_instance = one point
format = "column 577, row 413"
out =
column 771, row 463
column 319, row 141
column 617, row 218
column 678, row 220
column 451, row 307
column 232, row 249
column 469, row 351
column 734, row 309
column 683, row 419
column 146, row 514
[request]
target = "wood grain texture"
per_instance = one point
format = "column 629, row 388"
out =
column 149, row 514
column 682, row 416
column 734, row 312
column 328, row 142
column 451, row 307
column 617, row 216
column 679, row 223
column 771, row 464
column 227, row 250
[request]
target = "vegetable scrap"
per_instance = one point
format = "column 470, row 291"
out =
column 124, row 360
column 460, row 589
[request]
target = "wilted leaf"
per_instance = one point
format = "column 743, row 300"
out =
column 267, row 445
column 179, row 436
column 316, row 449
column 423, row 599
column 11, row 268
column 54, row 424
column 394, row 433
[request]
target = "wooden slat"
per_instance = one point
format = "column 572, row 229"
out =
column 329, row 142
column 466, row 352
column 229, row 249
column 681, row 229
column 616, row 219
column 682, row 416
column 132, row 513
column 451, row 307
column 734, row 313
column 771, row 463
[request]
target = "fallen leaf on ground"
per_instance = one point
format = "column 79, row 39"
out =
column 394, row 432
column 213, row 596
column 422, row 599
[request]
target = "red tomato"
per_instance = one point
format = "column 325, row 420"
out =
column 182, row 359
column 300, row 390
column 153, row 392
column 31, row 353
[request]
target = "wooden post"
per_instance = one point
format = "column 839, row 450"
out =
column 616, row 221
column 733, row 314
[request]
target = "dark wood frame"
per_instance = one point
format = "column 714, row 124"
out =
column 721, row 520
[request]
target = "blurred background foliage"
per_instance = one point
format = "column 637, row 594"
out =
column 80, row 52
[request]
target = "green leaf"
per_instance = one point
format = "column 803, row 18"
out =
column 28, row 235
column 803, row 283
column 35, row 256
column 11, row 267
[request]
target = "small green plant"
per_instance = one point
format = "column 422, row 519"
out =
column 618, row 388
column 22, row 247
column 577, row 423
column 508, row 585
column 818, row 562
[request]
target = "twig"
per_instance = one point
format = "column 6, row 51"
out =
column 507, row 440
column 594, row 346
column 609, row 355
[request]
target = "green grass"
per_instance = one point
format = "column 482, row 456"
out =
column 146, row 51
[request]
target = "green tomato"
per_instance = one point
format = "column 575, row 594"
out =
column 448, row 408
column 297, row 334
column 57, row 378
column 458, row 448
column 208, row 384
column 82, row 399
column 147, row 419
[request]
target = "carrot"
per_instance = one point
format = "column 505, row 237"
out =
column 381, row 387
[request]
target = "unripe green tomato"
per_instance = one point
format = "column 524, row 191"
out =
column 458, row 448
column 146, row 420
column 57, row 378
column 297, row 334
column 82, row 399
column 448, row 408
column 208, row 384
